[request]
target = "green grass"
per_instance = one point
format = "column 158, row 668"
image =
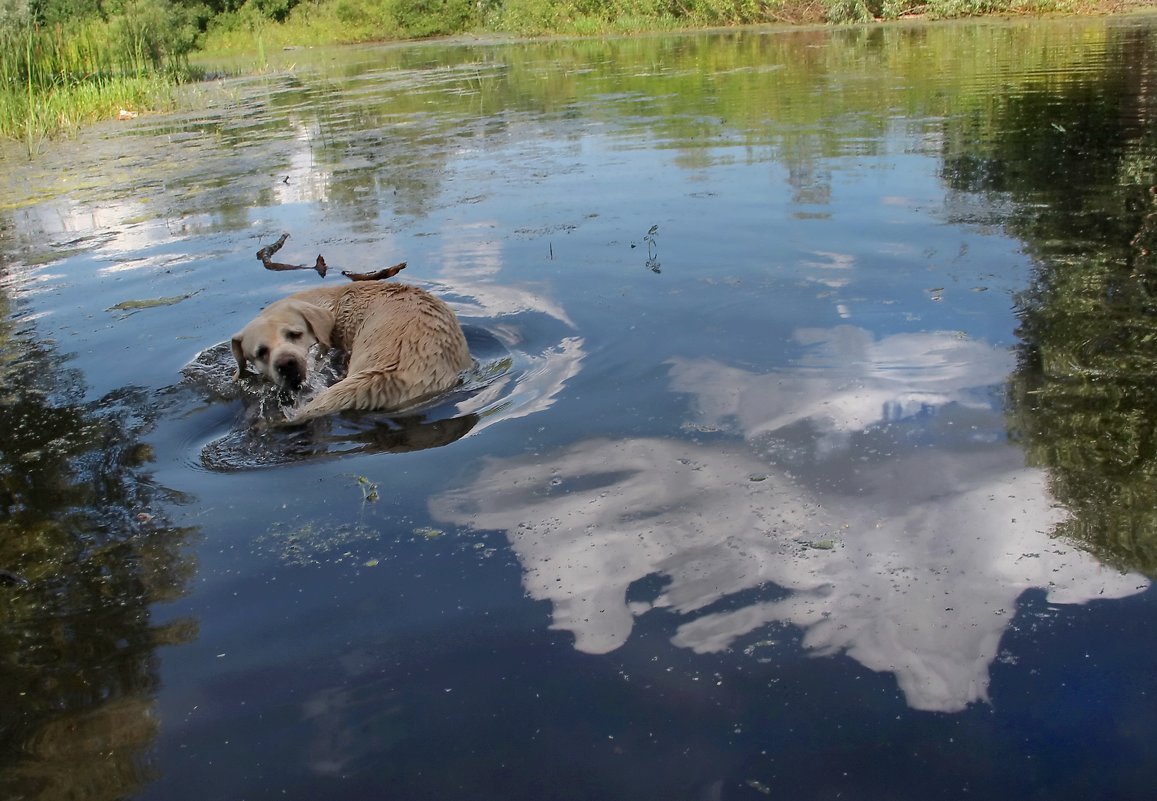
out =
column 55, row 79
column 66, row 107
column 321, row 22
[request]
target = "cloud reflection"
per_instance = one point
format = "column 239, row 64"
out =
column 846, row 382
column 916, row 572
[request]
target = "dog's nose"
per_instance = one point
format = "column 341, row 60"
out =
column 290, row 372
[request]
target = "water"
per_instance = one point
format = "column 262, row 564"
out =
column 808, row 453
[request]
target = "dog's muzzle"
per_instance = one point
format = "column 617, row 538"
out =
column 290, row 372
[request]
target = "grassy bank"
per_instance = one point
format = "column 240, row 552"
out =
column 57, row 76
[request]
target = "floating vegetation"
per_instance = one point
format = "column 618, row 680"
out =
column 369, row 489
column 151, row 303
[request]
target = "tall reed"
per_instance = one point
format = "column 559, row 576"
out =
column 56, row 78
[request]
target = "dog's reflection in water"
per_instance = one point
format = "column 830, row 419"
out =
column 259, row 434
column 255, row 446
column 377, row 433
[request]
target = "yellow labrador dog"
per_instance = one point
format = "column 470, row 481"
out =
column 403, row 345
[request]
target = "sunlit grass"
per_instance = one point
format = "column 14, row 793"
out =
column 54, row 80
column 308, row 25
column 324, row 22
column 64, row 108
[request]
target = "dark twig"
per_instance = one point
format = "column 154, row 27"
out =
column 266, row 256
column 377, row 275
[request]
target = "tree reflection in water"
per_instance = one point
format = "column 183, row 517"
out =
column 1077, row 158
column 86, row 549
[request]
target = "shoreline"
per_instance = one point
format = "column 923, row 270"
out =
column 282, row 35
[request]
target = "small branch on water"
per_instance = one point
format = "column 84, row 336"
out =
column 266, row 257
column 377, row 275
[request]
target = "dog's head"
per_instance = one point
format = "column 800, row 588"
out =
column 278, row 340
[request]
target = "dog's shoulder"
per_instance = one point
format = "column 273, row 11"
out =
column 374, row 290
column 362, row 296
column 354, row 295
column 325, row 296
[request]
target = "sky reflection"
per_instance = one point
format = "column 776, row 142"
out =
column 916, row 570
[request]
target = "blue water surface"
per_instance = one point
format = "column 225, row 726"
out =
column 805, row 455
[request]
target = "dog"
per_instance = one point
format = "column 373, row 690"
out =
column 402, row 345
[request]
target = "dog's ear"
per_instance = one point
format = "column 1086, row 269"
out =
column 320, row 321
column 239, row 355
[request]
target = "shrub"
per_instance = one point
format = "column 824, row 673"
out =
column 422, row 18
column 528, row 17
column 848, row 11
column 726, row 12
column 154, row 34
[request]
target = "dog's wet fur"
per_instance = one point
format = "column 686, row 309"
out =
column 403, row 345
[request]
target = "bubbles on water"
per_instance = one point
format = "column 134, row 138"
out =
column 213, row 372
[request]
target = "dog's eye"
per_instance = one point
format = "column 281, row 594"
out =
column 293, row 335
column 261, row 352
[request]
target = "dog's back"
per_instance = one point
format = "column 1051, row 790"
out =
column 404, row 345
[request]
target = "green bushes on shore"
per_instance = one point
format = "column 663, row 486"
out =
column 565, row 16
column 311, row 22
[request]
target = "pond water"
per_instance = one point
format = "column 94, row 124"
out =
column 809, row 451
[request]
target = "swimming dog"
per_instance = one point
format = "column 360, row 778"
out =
column 403, row 345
